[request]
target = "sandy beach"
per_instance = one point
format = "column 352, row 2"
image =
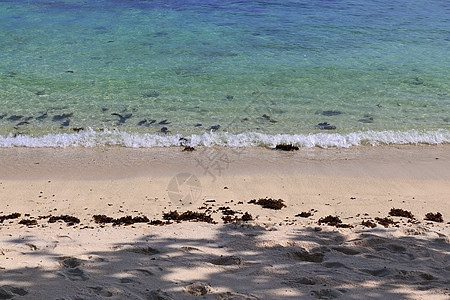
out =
column 276, row 255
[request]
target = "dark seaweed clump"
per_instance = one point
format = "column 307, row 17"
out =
column 269, row 203
column 331, row 112
column 28, row 222
column 325, row 126
column 227, row 211
column 9, row 217
column 330, row 220
column 437, row 217
column 188, row 216
column 229, row 219
column 78, row 129
column 70, row 220
column 128, row 220
column 304, row 214
column 171, row 215
column 188, row 149
column 159, row 223
column 333, row 221
column 385, row 221
column 397, row 212
column 369, row 224
column 286, row 147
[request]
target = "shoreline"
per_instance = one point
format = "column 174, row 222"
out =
column 323, row 137
column 277, row 255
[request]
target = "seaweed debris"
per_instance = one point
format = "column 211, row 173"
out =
column 70, row 220
column 286, row 147
column 188, row 216
column 397, row 212
column 128, row 220
column 304, row 214
column 369, row 224
column 159, row 223
column 229, row 219
column 28, row 222
column 385, row 221
column 188, row 149
column 333, row 221
column 227, row 211
column 437, row 217
column 269, row 203
column 9, row 217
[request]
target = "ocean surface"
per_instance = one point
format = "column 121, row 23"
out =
column 231, row 73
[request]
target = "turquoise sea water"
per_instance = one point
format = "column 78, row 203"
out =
column 145, row 73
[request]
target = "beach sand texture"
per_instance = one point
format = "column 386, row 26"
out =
column 277, row 255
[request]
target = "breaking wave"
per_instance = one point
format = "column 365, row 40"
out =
column 91, row 138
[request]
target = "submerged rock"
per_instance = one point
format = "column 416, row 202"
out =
column 122, row 119
column 15, row 118
column 61, row 117
column 151, row 94
column 325, row 126
column 331, row 112
column 42, row 117
column 366, row 120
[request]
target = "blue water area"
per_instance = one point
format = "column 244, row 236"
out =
column 189, row 67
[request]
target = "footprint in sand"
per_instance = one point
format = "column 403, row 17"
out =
column 140, row 272
column 346, row 250
column 99, row 291
column 304, row 255
column 70, row 268
column 158, row 295
column 335, row 265
column 326, row 294
column 128, row 280
column 304, row 281
column 69, row 262
column 9, row 292
column 378, row 272
column 198, row 289
column 190, row 249
column 228, row 261
column 146, row 251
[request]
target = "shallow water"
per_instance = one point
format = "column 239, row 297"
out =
column 252, row 67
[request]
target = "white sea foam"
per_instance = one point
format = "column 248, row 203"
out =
column 91, row 138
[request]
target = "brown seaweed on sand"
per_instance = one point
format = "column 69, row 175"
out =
column 229, row 219
column 70, row 220
column 304, row 214
column 28, row 222
column 171, row 215
column 385, row 221
column 159, row 223
column 397, row 212
column 333, row 221
column 188, row 216
column 227, row 211
column 9, row 217
column 437, row 217
column 369, row 224
column 269, row 203
column 128, row 220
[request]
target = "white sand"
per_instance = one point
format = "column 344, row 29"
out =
column 276, row 256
